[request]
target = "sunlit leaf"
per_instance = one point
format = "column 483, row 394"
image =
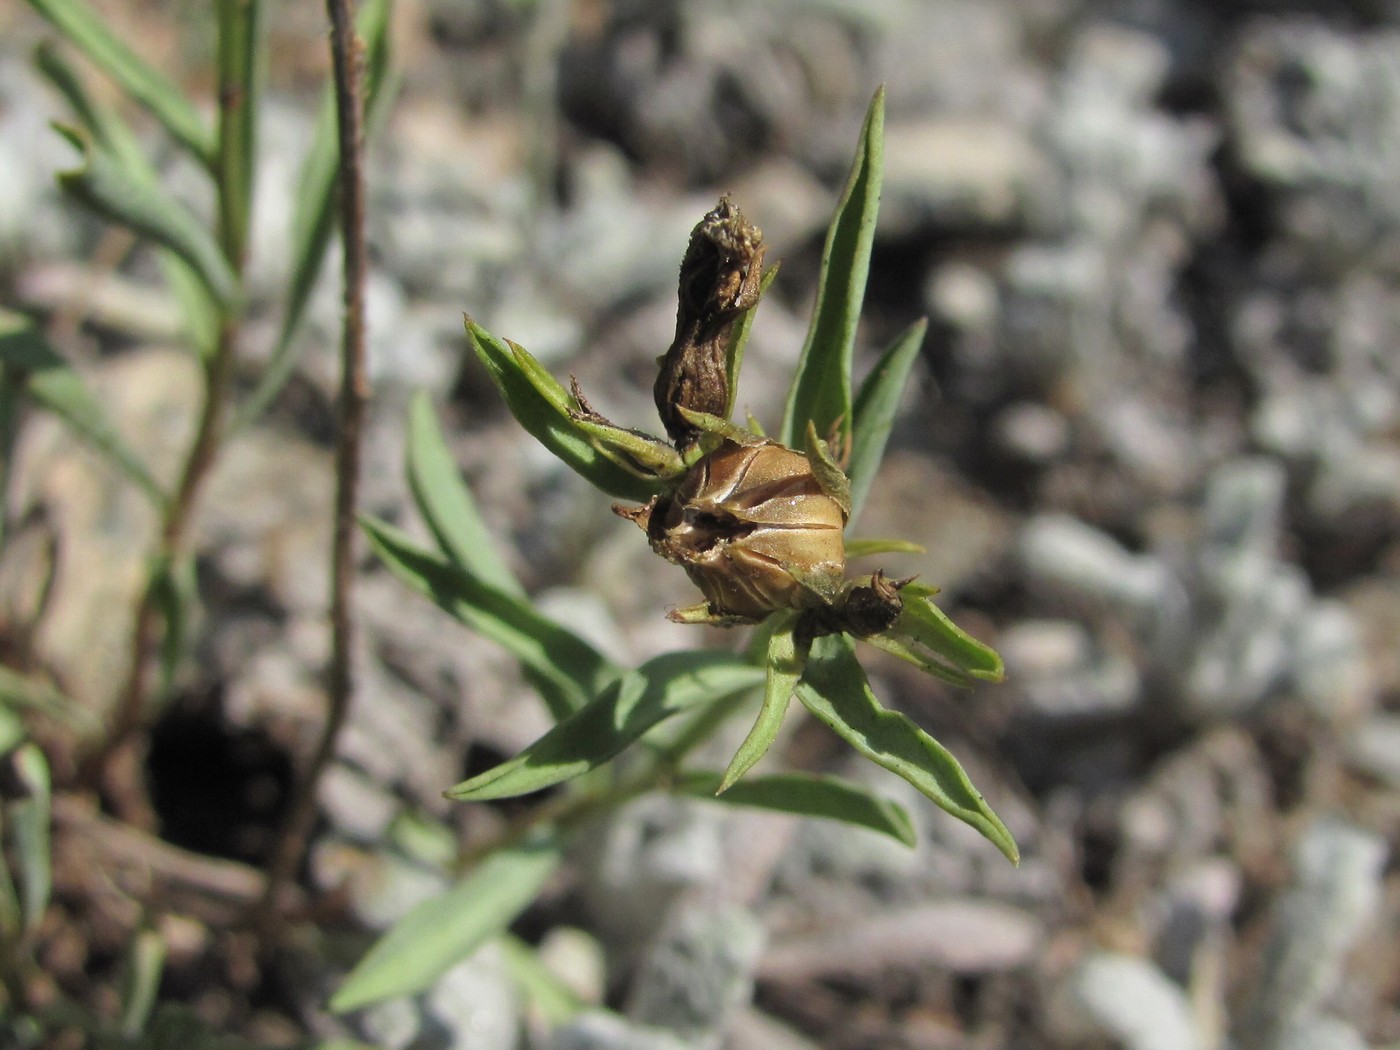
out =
column 104, row 185
column 783, row 666
column 834, row 688
column 875, row 410
column 617, row 717
column 89, row 32
column 447, row 929
column 570, row 670
column 925, row 637
column 543, row 408
column 145, row 963
column 806, row 795
column 52, row 383
column 28, row 819
column 821, row 388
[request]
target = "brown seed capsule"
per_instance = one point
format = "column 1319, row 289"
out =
column 754, row 530
column 720, row 278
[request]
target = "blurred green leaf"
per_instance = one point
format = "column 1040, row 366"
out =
column 619, row 715
column 447, row 929
column 834, row 688
column 865, row 548
column 783, row 667
column 240, row 62
column 145, row 963
column 87, row 30
column 104, row 184
column 12, row 731
column 821, row 388
column 570, row 671
column 875, row 410
column 28, row 820
column 314, row 213
column 51, row 383
column 111, row 133
column 446, row 503
column 22, row 692
column 739, row 339
column 174, row 590
column 555, row 1000
column 925, row 637
column 543, row 408
column 807, row 796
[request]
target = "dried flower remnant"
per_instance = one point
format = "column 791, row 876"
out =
column 720, row 278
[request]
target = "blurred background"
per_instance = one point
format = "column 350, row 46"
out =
column 1151, row 449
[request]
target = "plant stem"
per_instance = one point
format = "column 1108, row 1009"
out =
column 354, row 392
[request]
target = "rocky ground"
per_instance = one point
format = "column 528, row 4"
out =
column 1151, row 449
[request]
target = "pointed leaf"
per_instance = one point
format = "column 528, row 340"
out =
column 145, row 963
column 447, row 929
column 865, row 548
column 806, row 795
column 618, row 716
column 104, row 185
column 783, row 668
column 924, row 636
column 314, row 214
column 569, row 670
column 446, row 503
column 739, row 339
column 111, row 133
column 821, row 389
column 87, row 30
column 830, row 477
column 834, row 688
column 28, row 822
column 875, row 410
column 543, row 408
column 53, row 384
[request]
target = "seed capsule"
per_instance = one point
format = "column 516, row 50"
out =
column 753, row 528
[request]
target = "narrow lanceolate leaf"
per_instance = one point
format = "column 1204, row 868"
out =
column 821, row 389
column 88, row 31
column 111, row 133
column 865, row 548
column 51, row 383
column 834, row 688
column 446, row 503
column 924, row 636
column 447, row 929
column 314, row 214
column 22, row 692
column 546, row 410
column 28, row 822
column 240, row 85
column 806, row 795
column 145, row 963
column 739, row 339
column 104, row 185
column 783, row 668
column 568, row 671
column 618, row 716
column 875, row 410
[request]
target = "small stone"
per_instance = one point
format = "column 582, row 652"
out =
column 1373, row 748
column 1127, row 999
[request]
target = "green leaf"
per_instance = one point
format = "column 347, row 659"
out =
column 104, row 184
column 875, row 410
column 808, row 796
column 619, row 715
column 821, row 389
column 145, row 963
column 925, row 637
column 314, row 215
column 240, row 62
column 554, row 999
column 783, row 668
column 834, row 688
column 445, row 930
column 25, row 693
column 112, row 134
column 57, row 387
column 87, row 31
column 174, row 590
column 446, row 503
column 543, row 408
column 28, row 819
column 865, row 548
column 569, row 670
column 739, row 339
